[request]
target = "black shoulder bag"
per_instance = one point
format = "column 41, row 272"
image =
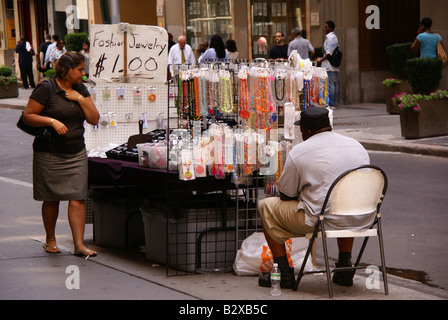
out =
column 336, row 58
column 39, row 132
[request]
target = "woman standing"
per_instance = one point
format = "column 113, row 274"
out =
column 426, row 40
column 60, row 165
column 86, row 52
column 57, row 53
column 231, row 49
column 216, row 51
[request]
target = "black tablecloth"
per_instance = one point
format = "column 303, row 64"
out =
column 113, row 172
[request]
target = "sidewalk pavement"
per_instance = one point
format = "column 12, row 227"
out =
column 28, row 273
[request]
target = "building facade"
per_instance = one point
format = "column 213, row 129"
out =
column 364, row 27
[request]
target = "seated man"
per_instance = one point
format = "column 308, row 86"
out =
column 310, row 169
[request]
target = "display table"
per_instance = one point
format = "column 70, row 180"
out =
column 156, row 182
column 189, row 225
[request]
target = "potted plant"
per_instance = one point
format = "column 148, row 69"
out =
column 423, row 115
column 424, row 112
column 424, row 74
column 50, row 73
column 73, row 41
column 398, row 54
column 8, row 83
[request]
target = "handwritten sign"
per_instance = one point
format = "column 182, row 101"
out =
column 128, row 53
column 147, row 53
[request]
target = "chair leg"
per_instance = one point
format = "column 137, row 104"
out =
column 383, row 260
column 361, row 252
column 305, row 259
column 327, row 266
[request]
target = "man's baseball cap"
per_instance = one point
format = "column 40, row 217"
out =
column 314, row 118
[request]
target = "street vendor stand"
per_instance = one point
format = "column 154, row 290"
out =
column 196, row 151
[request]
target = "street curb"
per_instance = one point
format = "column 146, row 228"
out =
column 411, row 148
column 11, row 106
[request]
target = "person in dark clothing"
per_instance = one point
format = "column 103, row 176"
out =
column 42, row 51
column 280, row 50
column 24, row 50
column 170, row 41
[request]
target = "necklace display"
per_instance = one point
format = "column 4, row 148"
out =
column 279, row 81
column 250, row 99
column 225, row 93
column 203, row 94
column 289, row 120
column 323, row 92
column 193, row 101
column 243, row 95
column 306, row 94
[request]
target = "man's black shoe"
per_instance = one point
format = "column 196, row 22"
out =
column 286, row 282
column 343, row 278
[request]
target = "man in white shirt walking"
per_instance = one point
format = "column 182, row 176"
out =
column 331, row 43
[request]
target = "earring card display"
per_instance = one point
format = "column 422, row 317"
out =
column 122, row 106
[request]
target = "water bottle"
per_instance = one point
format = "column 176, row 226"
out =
column 275, row 281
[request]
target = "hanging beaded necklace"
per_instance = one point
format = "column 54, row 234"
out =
column 226, row 99
column 203, row 95
column 264, row 103
column 244, row 100
column 306, row 94
column 194, row 99
column 279, row 79
column 323, row 92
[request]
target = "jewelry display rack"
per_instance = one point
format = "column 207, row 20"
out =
column 208, row 210
column 201, row 230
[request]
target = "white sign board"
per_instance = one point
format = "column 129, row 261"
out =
column 128, row 53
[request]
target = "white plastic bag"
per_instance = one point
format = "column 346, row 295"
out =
column 255, row 257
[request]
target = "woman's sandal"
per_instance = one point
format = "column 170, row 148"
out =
column 86, row 253
column 47, row 245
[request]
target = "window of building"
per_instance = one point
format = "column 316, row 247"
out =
column 270, row 16
column 206, row 18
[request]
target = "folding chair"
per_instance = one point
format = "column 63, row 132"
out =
column 355, row 192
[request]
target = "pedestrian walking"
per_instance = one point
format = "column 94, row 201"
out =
column 426, row 40
column 26, row 53
column 57, row 53
column 330, row 45
column 42, row 52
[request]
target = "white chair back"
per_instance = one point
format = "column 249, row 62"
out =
column 359, row 192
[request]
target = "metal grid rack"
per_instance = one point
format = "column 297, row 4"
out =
column 206, row 226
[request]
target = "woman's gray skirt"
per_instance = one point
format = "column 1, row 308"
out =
column 60, row 176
